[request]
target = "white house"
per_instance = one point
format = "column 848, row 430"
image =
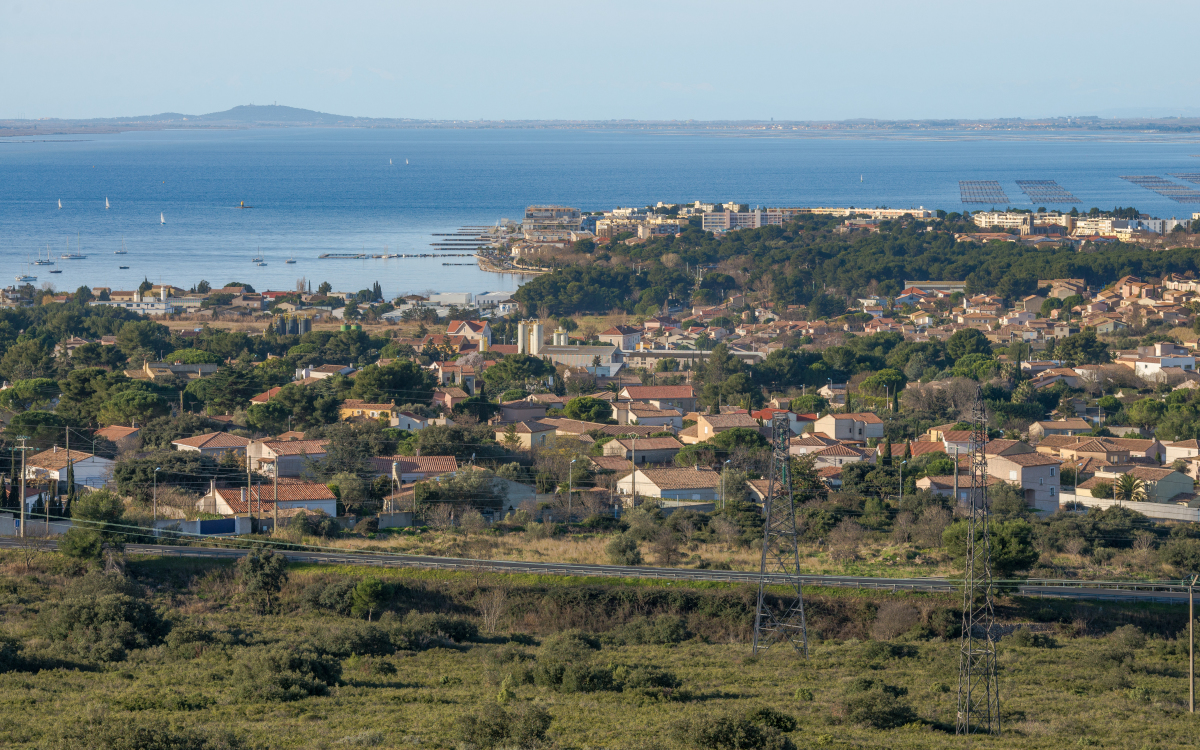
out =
column 213, row 444
column 260, row 499
column 859, row 426
column 52, row 465
column 671, row 484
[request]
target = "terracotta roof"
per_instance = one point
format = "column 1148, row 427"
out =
column 290, row 435
column 994, row 447
column 729, row 421
column 920, row 447
column 1032, row 459
column 525, row 427
column 839, row 450
column 213, row 440
column 1065, row 424
column 682, row 479
column 415, row 464
column 117, row 432
column 651, row 444
column 354, row 403
column 1058, row 441
column 1092, row 446
column 266, row 396
column 296, row 447
column 1145, row 473
column 659, row 391
column 265, row 493
column 830, row 472
column 815, row 440
column 452, row 392
column 1132, row 444
column 1193, row 443
column 691, row 432
column 56, row 458
column 866, row 416
column 957, row 436
column 641, row 430
column 612, row 463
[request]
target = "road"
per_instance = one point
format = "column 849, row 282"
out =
column 1065, row 589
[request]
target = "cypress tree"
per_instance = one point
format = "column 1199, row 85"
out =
column 66, row 509
column 887, row 451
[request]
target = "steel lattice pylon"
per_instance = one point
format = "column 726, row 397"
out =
column 978, row 692
column 780, row 552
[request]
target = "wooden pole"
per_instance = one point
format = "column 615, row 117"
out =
column 1191, row 646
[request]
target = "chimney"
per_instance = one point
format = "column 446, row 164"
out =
column 244, row 497
column 212, row 486
column 56, row 449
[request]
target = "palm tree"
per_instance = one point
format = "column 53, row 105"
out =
column 1130, row 489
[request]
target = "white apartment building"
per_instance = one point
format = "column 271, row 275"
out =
column 550, row 223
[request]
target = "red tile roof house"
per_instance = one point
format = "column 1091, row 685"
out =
column 681, row 397
column 125, row 438
column 260, row 498
column 212, row 444
column 290, row 455
column 448, row 398
column 413, row 468
column 52, row 464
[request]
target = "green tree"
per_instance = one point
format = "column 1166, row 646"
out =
column 193, row 357
column 367, row 597
column 143, row 340
column 1011, row 544
column 968, row 341
column 1082, row 348
column 34, row 393
column 1146, row 413
column 263, row 573
column 26, row 360
column 588, row 409
column 1129, row 488
column 399, row 381
column 517, row 369
column 128, row 406
column 883, row 382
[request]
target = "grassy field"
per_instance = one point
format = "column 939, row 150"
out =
column 882, row 670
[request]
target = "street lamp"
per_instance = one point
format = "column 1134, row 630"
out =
column 723, row 483
column 570, row 486
column 155, row 496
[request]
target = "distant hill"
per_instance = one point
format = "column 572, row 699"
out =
column 251, row 113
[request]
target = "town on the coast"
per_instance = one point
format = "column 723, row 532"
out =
column 644, row 363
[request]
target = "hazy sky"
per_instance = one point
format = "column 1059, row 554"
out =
column 601, row 60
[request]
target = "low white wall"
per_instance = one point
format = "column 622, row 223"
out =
column 1158, row 511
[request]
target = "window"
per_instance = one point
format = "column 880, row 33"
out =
column 1012, row 475
column 1051, row 471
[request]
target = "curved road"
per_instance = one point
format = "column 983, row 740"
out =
column 1123, row 591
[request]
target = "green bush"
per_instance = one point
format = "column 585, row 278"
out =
column 731, row 732
column 284, row 674
column 119, row 733
column 336, row 597
column 1129, row 636
column 420, row 630
column 623, row 550
column 360, row 638
column 493, row 727
column 81, row 544
column 661, row 631
column 188, row 641
column 872, row 703
column 102, row 617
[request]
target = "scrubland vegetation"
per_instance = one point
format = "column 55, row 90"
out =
column 211, row 655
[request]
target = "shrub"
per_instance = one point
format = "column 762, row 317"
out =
column 1183, row 554
column 1026, row 638
column 314, row 524
column 493, row 727
column 117, row 733
column 623, row 550
column 81, row 544
column 263, row 573
column 568, row 647
column 663, row 630
column 893, row 619
column 871, row 703
column 10, row 655
column 1129, row 636
column 188, row 641
column 102, row 617
column 359, row 638
column 336, row 597
column 882, row 650
column 367, row 597
column 1102, row 490
column 284, row 674
column 729, row 732
column 419, row 630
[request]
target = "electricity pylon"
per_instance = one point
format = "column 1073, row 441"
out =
column 978, row 692
column 783, row 621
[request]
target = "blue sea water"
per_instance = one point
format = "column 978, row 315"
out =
column 332, row 190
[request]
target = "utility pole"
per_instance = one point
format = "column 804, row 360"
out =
column 1191, row 645
column 780, row 551
column 570, row 486
column 275, row 517
column 22, row 438
column 155, row 495
column 978, row 691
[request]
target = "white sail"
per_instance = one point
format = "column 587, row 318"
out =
column 162, row 219
column 406, row 161
column 106, row 206
column 60, row 204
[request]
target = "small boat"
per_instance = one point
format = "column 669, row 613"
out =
column 122, row 267
column 60, row 204
column 73, row 256
column 256, row 259
column 262, row 264
column 162, row 219
column 406, row 161
column 46, row 262
column 122, row 250
column 26, row 277
column 106, row 206
column 389, row 162
column 56, row 270
column 290, row 260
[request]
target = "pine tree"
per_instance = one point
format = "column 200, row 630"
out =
column 887, row 451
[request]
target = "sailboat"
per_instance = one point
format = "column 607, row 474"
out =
column 122, row 250
column 162, row 219
column 47, row 261
column 106, row 206
column 75, row 256
column 406, row 161
column 290, row 260
column 389, row 162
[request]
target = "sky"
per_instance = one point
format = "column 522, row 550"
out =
column 600, row 60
